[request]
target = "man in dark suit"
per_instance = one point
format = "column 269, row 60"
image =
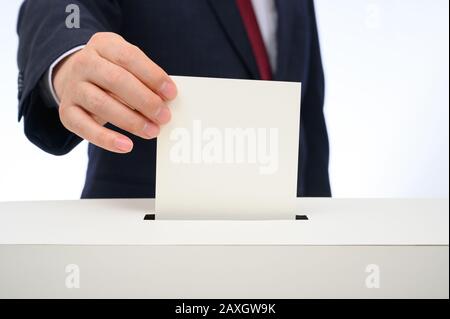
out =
column 88, row 81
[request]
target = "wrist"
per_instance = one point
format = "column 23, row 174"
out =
column 56, row 73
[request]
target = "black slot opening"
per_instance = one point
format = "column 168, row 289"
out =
column 149, row 217
column 153, row 217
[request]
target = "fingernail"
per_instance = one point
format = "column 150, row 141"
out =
column 123, row 144
column 150, row 130
column 168, row 90
column 164, row 115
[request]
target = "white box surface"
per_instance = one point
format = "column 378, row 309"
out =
column 332, row 255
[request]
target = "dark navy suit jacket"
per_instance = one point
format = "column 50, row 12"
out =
column 194, row 38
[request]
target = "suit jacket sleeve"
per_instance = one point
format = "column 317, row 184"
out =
column 43, row 37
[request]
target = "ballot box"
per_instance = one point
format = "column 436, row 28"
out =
column 331, row 248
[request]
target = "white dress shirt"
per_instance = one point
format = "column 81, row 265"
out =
column 266, row 15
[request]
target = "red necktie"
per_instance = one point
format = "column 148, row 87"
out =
column 254, row 34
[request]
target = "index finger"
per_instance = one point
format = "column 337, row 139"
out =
column 133, row 59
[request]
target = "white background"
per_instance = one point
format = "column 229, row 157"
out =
column 387, row 105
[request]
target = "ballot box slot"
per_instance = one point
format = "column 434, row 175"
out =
column 149, row 217
column 153, row 217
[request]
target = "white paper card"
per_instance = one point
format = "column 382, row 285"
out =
column 230, row 151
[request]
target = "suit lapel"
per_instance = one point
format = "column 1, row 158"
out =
column 286, row 24
column 229, row 18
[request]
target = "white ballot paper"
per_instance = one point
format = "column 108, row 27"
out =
column 230, row 150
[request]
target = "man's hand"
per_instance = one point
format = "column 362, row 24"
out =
column 112, row 81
